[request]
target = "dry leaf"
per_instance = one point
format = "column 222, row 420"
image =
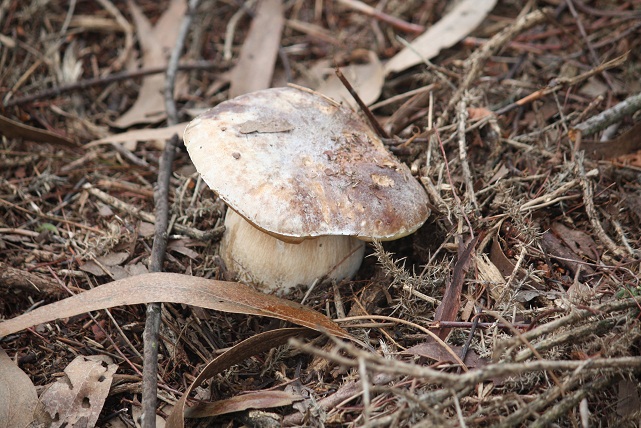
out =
column 366, row 79
column 142, row 135
column 251, row 400
column 451, row 29
column 448, row 309
column 180, row 246
column 12, row 129
column 577, row 240
column 108, row 262
column 346, row 392
column 555, row 248
column 489, row 274
column 78, row 398
column 176, row 288
column 625, row 144
column 435, row 351
column 255, row 66
column 628, row 402
column 501, row 261
column 18, row 397
column 155, row 43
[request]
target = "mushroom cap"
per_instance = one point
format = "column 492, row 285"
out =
column 298, row 165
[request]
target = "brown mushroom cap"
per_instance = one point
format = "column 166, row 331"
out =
column 299, row 165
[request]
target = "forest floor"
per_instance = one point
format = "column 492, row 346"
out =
column 516, row 304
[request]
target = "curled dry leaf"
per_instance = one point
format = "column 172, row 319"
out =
column 176, row 288
column 434, row 351
column 18, row 397
column 251, row 400
column 12, row 129
column 448, row 309
column 555, row 248
column 241, row 351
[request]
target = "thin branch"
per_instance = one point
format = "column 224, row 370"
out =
column 161, row 195
column 106, row 80
column 368, row 113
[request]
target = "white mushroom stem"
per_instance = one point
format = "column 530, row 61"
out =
column 276, row 266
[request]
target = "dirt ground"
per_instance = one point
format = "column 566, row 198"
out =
column 517, row 303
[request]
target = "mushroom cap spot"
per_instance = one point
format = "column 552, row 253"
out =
column 298, row 165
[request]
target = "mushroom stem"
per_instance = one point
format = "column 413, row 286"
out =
column 276, row 266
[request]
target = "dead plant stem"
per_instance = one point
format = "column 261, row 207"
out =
column 127, row 28
column 51, row 217
column 586, row 39
column 381, row 16
column 562, row 83
column 570, row 336
column 562, row 408
column 438, row 340
column 451, row 181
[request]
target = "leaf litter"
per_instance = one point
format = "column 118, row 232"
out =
column 545, row 304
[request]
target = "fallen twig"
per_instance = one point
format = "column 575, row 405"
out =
column 379, row 364
column 556, row 195
column 82, row 85
column 161, row 196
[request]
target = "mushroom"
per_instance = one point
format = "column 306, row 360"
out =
column 306, row 182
